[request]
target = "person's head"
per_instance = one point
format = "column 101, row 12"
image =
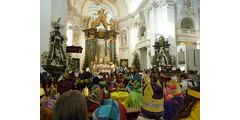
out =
column 70, row 106
column 183, row 75
column 43, row 97
column 193, row 96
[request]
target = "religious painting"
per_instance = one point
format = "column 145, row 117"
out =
column 124, row 63
column 76, row 62
column 123, row 41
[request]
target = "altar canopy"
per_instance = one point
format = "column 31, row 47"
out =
column 100, row 37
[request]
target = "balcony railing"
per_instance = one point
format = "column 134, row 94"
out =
column 188, row 31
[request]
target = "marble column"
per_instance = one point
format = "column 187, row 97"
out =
column 110, row 52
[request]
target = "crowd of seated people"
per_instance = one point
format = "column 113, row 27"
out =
column 121, row 95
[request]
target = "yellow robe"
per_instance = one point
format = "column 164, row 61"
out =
column 195, row 113
column 122, row 97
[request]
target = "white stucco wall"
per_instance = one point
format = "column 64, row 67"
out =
column 45, row 26
column 50, row 11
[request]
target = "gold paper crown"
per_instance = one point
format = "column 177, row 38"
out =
column 86, row 91
column 149, row 103
column 42, row 92
column 194, row 93
column 121, row 86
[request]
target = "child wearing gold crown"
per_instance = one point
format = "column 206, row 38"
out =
column 191, row 106
column 173, row 101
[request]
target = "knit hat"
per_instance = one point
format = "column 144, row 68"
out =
column 175, row 88
column 152, row 100
column 107, row 111
column 42, row 92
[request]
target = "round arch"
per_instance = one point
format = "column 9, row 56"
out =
column 86, row 5
column 187, row 23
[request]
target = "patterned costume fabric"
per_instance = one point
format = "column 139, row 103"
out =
column 46, row 114
column 122, row 97
column 195, row 112
column 50, row 102
column 171, row 109
column 122, row 111
column 135, row 98
column 152, row 100
column 108, row 110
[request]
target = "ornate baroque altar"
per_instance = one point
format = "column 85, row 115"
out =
column 100, row 36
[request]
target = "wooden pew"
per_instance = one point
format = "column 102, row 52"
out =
column 132, row 113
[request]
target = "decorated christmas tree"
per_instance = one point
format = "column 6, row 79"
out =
column 70, row 64
column 136, row 62
column 86, row 62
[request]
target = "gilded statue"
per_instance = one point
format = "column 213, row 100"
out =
column 86, row 21
column 96, row 59
column 113, row 24
column 93, row 24
column 100, row 59
column 101, row 19
column 108, row 58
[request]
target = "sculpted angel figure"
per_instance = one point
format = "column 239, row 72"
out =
column 86, row 21
column 44, row 58
column 113, row 24
column 93, row 24
column 57, row 24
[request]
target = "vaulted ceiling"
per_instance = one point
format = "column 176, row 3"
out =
column 118, row 9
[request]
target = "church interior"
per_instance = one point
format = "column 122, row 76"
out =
column 120, row 59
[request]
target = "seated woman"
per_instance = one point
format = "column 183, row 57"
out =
column 121, row 95
column 71, row 105
column 135, row 95
column 191, row 106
